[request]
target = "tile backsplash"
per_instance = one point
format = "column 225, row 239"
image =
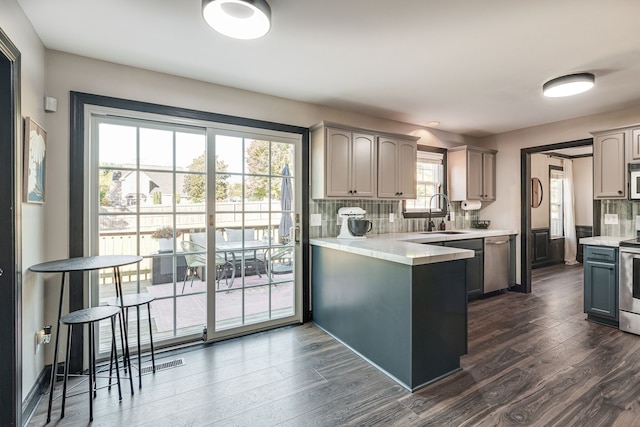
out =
column 626, row 212
column 378, row 212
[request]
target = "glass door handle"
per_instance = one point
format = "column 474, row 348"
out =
column 296, row 234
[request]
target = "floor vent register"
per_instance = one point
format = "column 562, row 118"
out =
column 164, row 365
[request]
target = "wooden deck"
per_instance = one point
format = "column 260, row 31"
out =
column 190, row 312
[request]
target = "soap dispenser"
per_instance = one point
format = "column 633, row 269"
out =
column 442, row 225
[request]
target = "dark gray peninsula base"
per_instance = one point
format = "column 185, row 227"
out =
column 409, row 321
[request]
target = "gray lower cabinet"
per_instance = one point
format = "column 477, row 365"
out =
column 601, row 284
column 475, row 265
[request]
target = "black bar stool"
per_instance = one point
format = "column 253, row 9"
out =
column 89, row 316
column 134, row 300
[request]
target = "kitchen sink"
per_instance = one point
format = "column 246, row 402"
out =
column 444, row 232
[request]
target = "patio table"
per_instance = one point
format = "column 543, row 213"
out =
column 245, row 246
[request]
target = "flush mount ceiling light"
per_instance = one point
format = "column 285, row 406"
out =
column 432, row 124
column 240, row 19
column 572, row 84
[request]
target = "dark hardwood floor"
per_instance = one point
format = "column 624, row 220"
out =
column 533, row 360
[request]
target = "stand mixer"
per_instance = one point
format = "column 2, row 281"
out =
column 346, row 214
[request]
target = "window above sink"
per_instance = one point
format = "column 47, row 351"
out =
column 430, row 179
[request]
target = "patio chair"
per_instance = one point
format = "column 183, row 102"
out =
column 195, row 257
column 280, row 260
column 251, row 257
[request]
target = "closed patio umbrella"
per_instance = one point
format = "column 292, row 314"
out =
column 286, row 197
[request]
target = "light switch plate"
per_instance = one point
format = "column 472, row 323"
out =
column 315, row 220
column 610, row 219
column 392, row 217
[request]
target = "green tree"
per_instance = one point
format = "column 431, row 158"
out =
column 235, row 191
column 104, row 183
column 258, row 161
column 195, row 185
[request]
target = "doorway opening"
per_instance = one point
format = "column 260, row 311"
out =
column 527, row 195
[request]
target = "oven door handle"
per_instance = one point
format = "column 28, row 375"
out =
column 636, row 277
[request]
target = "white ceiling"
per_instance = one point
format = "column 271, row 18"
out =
column 475, row 66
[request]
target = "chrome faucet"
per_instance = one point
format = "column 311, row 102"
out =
column 430, row 224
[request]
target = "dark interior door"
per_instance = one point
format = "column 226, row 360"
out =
column 10, row 301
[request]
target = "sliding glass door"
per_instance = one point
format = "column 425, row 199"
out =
column 256, row 225
column 212, row 209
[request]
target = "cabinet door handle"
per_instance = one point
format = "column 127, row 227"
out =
column 619, row 191
column 354, row 191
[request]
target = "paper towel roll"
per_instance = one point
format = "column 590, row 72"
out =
column 471, row 205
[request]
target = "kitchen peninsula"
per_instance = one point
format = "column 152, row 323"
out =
column 397, row 300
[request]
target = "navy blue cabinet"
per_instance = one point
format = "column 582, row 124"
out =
column 408, row 320
column 474, row 266
column 601, row 284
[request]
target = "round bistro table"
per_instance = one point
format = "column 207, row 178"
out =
column 90, row 263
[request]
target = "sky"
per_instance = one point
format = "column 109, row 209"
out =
column 118, row 147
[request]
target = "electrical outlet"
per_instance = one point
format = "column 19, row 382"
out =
column 315, row 220
column 611, row 219
column 392, row 217
column 43, row 336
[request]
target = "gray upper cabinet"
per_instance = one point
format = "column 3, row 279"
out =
column 635, row 143
column 396, row 168
column 609, row 165
column 352, row 163
column 472, row 173
column 343, row 163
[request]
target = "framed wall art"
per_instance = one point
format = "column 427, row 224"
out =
column 35, row 139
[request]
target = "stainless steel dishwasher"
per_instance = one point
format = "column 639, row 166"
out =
column 496, row 263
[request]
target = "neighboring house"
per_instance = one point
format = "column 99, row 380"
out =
column 124, row 188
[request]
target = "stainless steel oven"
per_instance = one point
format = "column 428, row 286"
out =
column 629, row 282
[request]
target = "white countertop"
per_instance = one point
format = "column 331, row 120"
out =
column 612, row 241
column 409, row 248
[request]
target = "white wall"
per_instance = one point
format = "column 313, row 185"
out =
column 583, row 190
column 540, row 169
column 582, row 183
column 19, row 30
column 505, row 211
